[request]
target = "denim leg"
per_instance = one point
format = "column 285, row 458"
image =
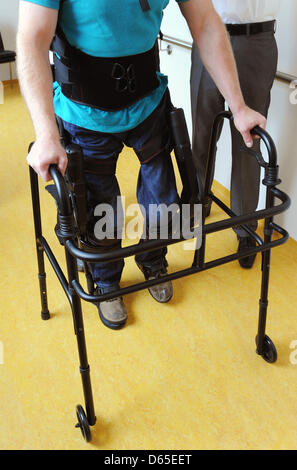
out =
column 104, row 189
column 156, row 185
column 156, row 180
column 101, row 189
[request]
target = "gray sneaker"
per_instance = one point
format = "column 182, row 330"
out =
column 113, row 313
column 162, row 292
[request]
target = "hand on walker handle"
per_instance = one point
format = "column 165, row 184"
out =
column 245, row 120
column 44, row 152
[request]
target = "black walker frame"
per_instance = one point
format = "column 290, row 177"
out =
column 76, row 249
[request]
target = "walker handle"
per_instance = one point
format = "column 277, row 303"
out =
column 269, row 143
column 262, row 133
column 63, row 195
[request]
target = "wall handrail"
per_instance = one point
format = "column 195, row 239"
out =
column 281, row 76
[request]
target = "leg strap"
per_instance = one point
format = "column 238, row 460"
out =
column 154, row 147
column 153, row 268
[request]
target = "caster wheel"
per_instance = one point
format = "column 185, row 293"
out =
column 83, row 423
column 269, row 353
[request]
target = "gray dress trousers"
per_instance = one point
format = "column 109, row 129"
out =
column 256, row 58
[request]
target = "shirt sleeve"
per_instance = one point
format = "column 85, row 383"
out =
column 55, row 4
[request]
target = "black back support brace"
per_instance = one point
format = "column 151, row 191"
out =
column 107, row 83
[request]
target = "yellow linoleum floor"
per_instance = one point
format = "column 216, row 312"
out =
column 183, row 375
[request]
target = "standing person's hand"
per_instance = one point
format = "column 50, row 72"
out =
column 245, row 120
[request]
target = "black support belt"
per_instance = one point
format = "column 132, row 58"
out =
column 248, row 29
column 101, row 82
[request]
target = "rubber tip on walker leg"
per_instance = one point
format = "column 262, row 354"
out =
column 45, row 315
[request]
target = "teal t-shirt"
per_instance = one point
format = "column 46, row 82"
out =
column 109, row 28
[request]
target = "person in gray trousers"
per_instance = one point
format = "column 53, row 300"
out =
column 251, row 25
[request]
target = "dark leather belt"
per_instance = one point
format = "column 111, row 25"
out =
column 248, row 29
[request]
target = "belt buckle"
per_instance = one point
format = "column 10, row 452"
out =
column 125, row 78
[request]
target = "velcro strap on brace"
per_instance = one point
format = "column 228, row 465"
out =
column 154, row 268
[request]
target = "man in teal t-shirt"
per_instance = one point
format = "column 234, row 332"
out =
column 106, row 57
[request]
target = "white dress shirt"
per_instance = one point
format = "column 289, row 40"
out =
column 246, row 11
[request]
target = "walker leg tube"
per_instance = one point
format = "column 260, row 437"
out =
column 263, row 302
column 45, row 315
column 81, row 341
column 199, row 255
column 265, row 346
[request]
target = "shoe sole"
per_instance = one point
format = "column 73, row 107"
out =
column 248, row 261
column 112, row 326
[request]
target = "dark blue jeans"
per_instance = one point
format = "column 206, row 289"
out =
column 156, row 181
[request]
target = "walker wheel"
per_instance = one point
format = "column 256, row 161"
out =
column 83, row 423
column 269, row 353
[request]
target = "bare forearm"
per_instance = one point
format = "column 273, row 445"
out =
column 212, row 41
column 36, row 85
